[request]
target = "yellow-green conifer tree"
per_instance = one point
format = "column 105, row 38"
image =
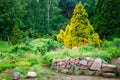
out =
column 79, row 31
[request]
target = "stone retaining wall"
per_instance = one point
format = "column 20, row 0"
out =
column 86, row 66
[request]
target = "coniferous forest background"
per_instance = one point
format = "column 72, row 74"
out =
column 36, row 18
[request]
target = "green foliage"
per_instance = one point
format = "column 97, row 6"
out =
column 4, row 76
column 107, row 44
column 43, row 45
column 4, row 47
column 23, row 63
column 16, row 37
column 79, row 31
column 18, row 48
column 107, row 10
column 12, row 12
column 6, row 65
column 107, row 52
column 116, row 42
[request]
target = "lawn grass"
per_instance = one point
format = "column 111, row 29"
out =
column 4, row 47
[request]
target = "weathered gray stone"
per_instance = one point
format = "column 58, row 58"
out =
column 83, row 62
column 31, row 74
column 108, row 67
column 108, row 75
column 16, row 75
column 96, row 64
column 76, row 68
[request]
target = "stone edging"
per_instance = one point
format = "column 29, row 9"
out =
column 86, row 66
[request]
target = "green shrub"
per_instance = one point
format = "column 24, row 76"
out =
column 4, row 76
column 44, row 45
column 6, row 65
column 107, row 44
column 116, row 42
column 33, row 61
column 22, row 70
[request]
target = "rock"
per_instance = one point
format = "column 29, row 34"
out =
column 108, row 67
column 116, row 62
column 68, row 66
column 65, row 70
column 84, row 67
column 98, row 73
column 77, row 61
column 76, row 68
column 96, row 64
column 90, row 61
column 16, row 75
column 83, row 62
column 88, row 72
column 60, row 63
column 63, row 66
column 118, row 65
column 108, row 75
column 31, row 74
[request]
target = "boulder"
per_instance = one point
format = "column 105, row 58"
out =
column 16, row 75
column 108, row 67
column 31, row 74
column 83, row 62
column 96, row 64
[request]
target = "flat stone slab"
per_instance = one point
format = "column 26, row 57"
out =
column 108, row 67
column 108, row 75
column 96, row 64
column 31, row 74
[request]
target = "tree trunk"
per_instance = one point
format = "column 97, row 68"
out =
column 8, row 39
column 49, row 3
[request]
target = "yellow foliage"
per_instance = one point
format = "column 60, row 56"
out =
column 79, row 31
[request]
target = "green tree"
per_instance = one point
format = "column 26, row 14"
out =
column 12, row 11
column 79, row 31
column 107, row 18
column 16, row 37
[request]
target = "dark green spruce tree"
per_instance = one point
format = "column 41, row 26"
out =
column 107, row 18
